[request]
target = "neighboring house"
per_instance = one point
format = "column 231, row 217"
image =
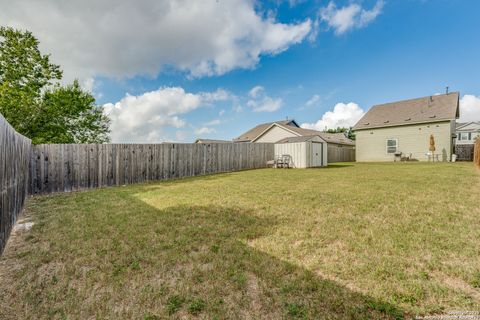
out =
column 405, row 127
column 340, row 148
column 211, row 141
column 467, row 132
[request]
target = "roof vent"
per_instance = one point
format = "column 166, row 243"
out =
column 386, row 121
column 408, row 119
column 434, row 116
column 366, row 123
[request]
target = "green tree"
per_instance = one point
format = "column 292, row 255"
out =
column 348, row 132
column 69, row 115
column 35, row 104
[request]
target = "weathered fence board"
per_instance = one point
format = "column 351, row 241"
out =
column 64, row 167
column 476, row 153
column 339, row 153
column 14, row 174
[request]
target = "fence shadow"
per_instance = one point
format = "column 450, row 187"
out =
column 339, row 165
column 144, row 261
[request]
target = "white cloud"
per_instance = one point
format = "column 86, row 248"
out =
column 180, row 135
column 204, row 130
column 143, row 118
column 261, row 102
column 88, row 84
column 124, row 38
column 221, row 112
column 237, row 108
column 218, row 95
column 267, row 104
column 255, row 91
column 469, row 108
column 214, row 122
column 343, row 115
column 315, row 99
column 349, row 17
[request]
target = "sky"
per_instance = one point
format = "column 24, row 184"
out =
column 177, row 70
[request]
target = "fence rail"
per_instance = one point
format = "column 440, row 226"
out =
column 67, row 167
column 14, row 161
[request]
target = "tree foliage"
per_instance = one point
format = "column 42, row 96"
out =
column 348, row 132
column 35, row 104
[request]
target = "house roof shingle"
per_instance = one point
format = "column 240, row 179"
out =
column 297, row 139
column 460, row 125
column 200, row 140
column 256, row 131
column 338, row 138
column 435, row 108
column 252, row 134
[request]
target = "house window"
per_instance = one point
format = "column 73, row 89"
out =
column 392, row 145
column 464, row 136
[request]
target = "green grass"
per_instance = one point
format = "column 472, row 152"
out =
column 351, row 241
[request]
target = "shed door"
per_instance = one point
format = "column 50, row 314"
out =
column 317, row 154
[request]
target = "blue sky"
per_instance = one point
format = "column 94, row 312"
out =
column 186, row 78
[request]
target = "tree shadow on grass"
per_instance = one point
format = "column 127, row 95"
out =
column 183, row 261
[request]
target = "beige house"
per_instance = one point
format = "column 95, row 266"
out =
column 467, row 132
column 403, row 128
column 340, row 148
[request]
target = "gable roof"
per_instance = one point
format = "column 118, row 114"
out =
column 437, row 108
column 292, row 126
column 253, row 133
column 200, row 140
column 465, row 125
column 299, row 139
column 338, row 138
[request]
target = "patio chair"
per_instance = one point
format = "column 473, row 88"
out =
column 286, row 160
column 278, row 162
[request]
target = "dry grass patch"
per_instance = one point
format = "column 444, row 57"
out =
column 357, row 241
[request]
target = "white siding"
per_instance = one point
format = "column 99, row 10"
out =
column 297, row 151
column 414, row 139
column 317, row 154
column 304, row 154
column 275, row 134
column 473, row 129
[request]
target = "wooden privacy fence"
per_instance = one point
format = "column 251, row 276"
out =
column 14, row 161
column 67, row 167
column 464, row 152
column 476, row 156
column 340, row 153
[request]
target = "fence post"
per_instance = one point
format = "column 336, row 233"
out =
column 476, row 152
column 15, row 157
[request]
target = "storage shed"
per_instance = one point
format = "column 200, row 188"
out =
column 304, row 152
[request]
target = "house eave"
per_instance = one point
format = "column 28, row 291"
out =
column 403, row 124
column 278, row 125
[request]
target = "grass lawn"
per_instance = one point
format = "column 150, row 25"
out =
column 352, row 241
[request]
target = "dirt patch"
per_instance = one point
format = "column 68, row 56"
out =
column 457, row 284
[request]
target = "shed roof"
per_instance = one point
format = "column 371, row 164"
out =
column 428, row 109
column 299, row 139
